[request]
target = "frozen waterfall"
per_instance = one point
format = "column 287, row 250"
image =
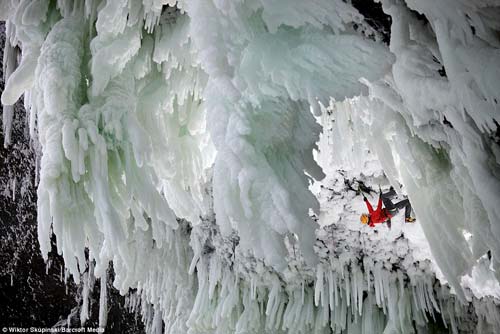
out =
column 208, row 150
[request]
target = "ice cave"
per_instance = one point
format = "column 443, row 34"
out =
column 201, row 166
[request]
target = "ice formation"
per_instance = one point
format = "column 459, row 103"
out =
column 177, row 141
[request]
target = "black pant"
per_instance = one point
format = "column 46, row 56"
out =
column 395, row 207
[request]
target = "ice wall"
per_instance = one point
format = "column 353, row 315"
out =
column 158, row 112
column 135, row 115
column 439, row 112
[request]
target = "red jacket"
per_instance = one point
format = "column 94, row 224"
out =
column 379, row 215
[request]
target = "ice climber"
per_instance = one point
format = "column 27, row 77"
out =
column 381, row 215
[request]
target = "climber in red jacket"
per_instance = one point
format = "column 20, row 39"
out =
column 381, row 215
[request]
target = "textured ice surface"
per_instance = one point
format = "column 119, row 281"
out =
column 177, row 141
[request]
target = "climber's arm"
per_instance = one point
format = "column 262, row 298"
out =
column 368, row 205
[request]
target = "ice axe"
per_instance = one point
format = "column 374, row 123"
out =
column 362, row 188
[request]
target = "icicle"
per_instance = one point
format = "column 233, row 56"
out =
column 319, row 292
column 331, row 289
column 347, row 288
column 84, row 313
column 9, row 64
column 103, row 301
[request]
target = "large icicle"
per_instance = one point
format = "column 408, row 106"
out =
column 258, row 96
